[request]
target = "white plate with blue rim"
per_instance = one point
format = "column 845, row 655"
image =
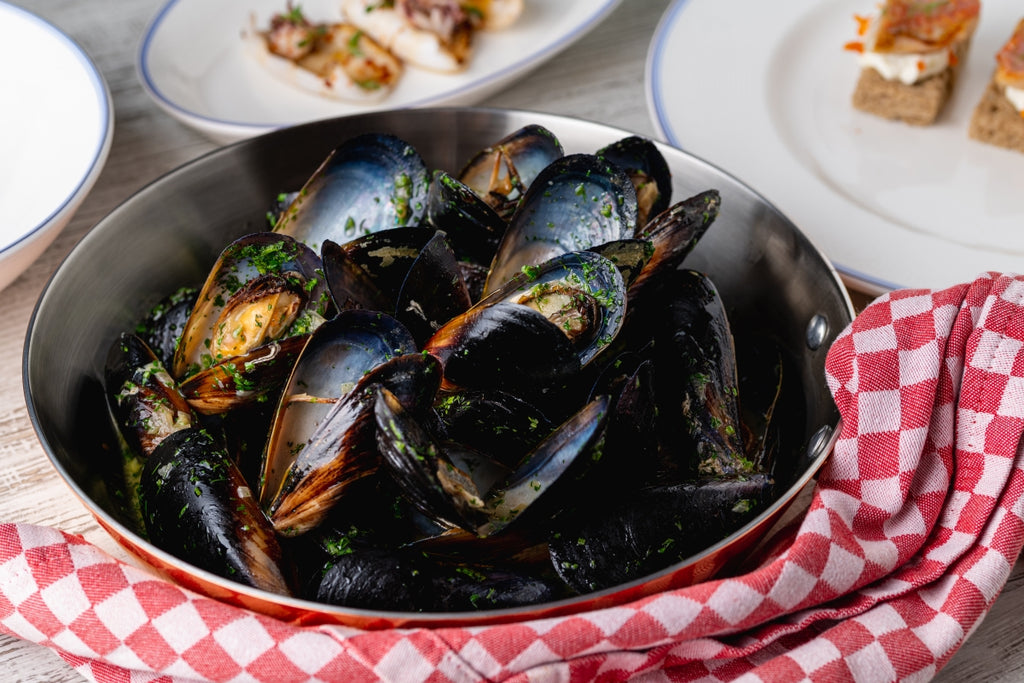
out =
column 58, row 125
column 763, row 89
column 193, row 62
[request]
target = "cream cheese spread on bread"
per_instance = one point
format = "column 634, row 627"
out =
column 909, row 68
column 1016, row 97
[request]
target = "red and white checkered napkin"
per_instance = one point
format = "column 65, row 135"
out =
column 913, row 529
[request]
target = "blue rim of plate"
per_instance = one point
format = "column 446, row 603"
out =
column 663, row 124
column 106, row 116
column 534, row 58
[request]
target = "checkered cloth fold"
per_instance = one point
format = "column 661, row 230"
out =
column 912, row 531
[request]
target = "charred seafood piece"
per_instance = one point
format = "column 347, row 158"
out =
column 342, row 449
column 647, row 169
column 197, row 506
column 501, row 173
column 263, row 297
column 473, row 227
column 674, row 233
column 445, row 481
column 411, row 273
column 146, row 405
column 575, row 203
column 653, row 529
column 369, row 183
column 339, row 354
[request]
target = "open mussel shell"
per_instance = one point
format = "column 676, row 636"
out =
column 500, row 173
column 434, row 290
column 147, row 406
column 197, row 505
column 380, row 260
column 145, row 400
column 493, row 422
column 582, row 292
column 652, row 529
column 368, row 183
column 550, row 470
column 504, row 345
column 630, row 256
column 447, row 483
column 264, row 287
column 674, row 233
column 410, row 273
column 577, row 202
column 338, row 355
column 647, row 169
column 343, row 449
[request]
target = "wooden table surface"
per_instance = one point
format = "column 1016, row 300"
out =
column 601, row 78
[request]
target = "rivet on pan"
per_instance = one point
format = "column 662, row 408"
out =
column 819, row 442
column 817, row 330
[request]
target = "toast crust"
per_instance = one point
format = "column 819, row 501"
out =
column 995, row 121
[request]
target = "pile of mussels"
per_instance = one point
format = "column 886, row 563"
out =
column 422, row 392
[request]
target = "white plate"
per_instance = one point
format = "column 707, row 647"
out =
column 763, row 89
column 57, row 125
column 193, row 63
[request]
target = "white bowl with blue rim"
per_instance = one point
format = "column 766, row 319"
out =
column 57, row 127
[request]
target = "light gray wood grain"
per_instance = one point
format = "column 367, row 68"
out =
column 601, row 78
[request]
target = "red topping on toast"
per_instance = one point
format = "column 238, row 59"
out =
column 908, row 26
column 1010, row 60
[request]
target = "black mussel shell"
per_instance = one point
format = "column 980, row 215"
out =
column 472, row 226
column 465, row 588
column 338, row 355
column 343, row 447
column 376, row 579
column 493, row 422
column 242, row 381
column 147, row 406
column 501, row 173
column 351, row 285
column 648, row 171
column 674, row 233
column 146, row 402
column 162, row 327
column 581, row 292
column 383, row 257
column 653, row 529
column 504, row 346
column 434, row 290
column 578, row 202
column 553, row 473
column 629, row 256
column 370, row 182
column 446, row 483
column 264, row 287
column 197, row 506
